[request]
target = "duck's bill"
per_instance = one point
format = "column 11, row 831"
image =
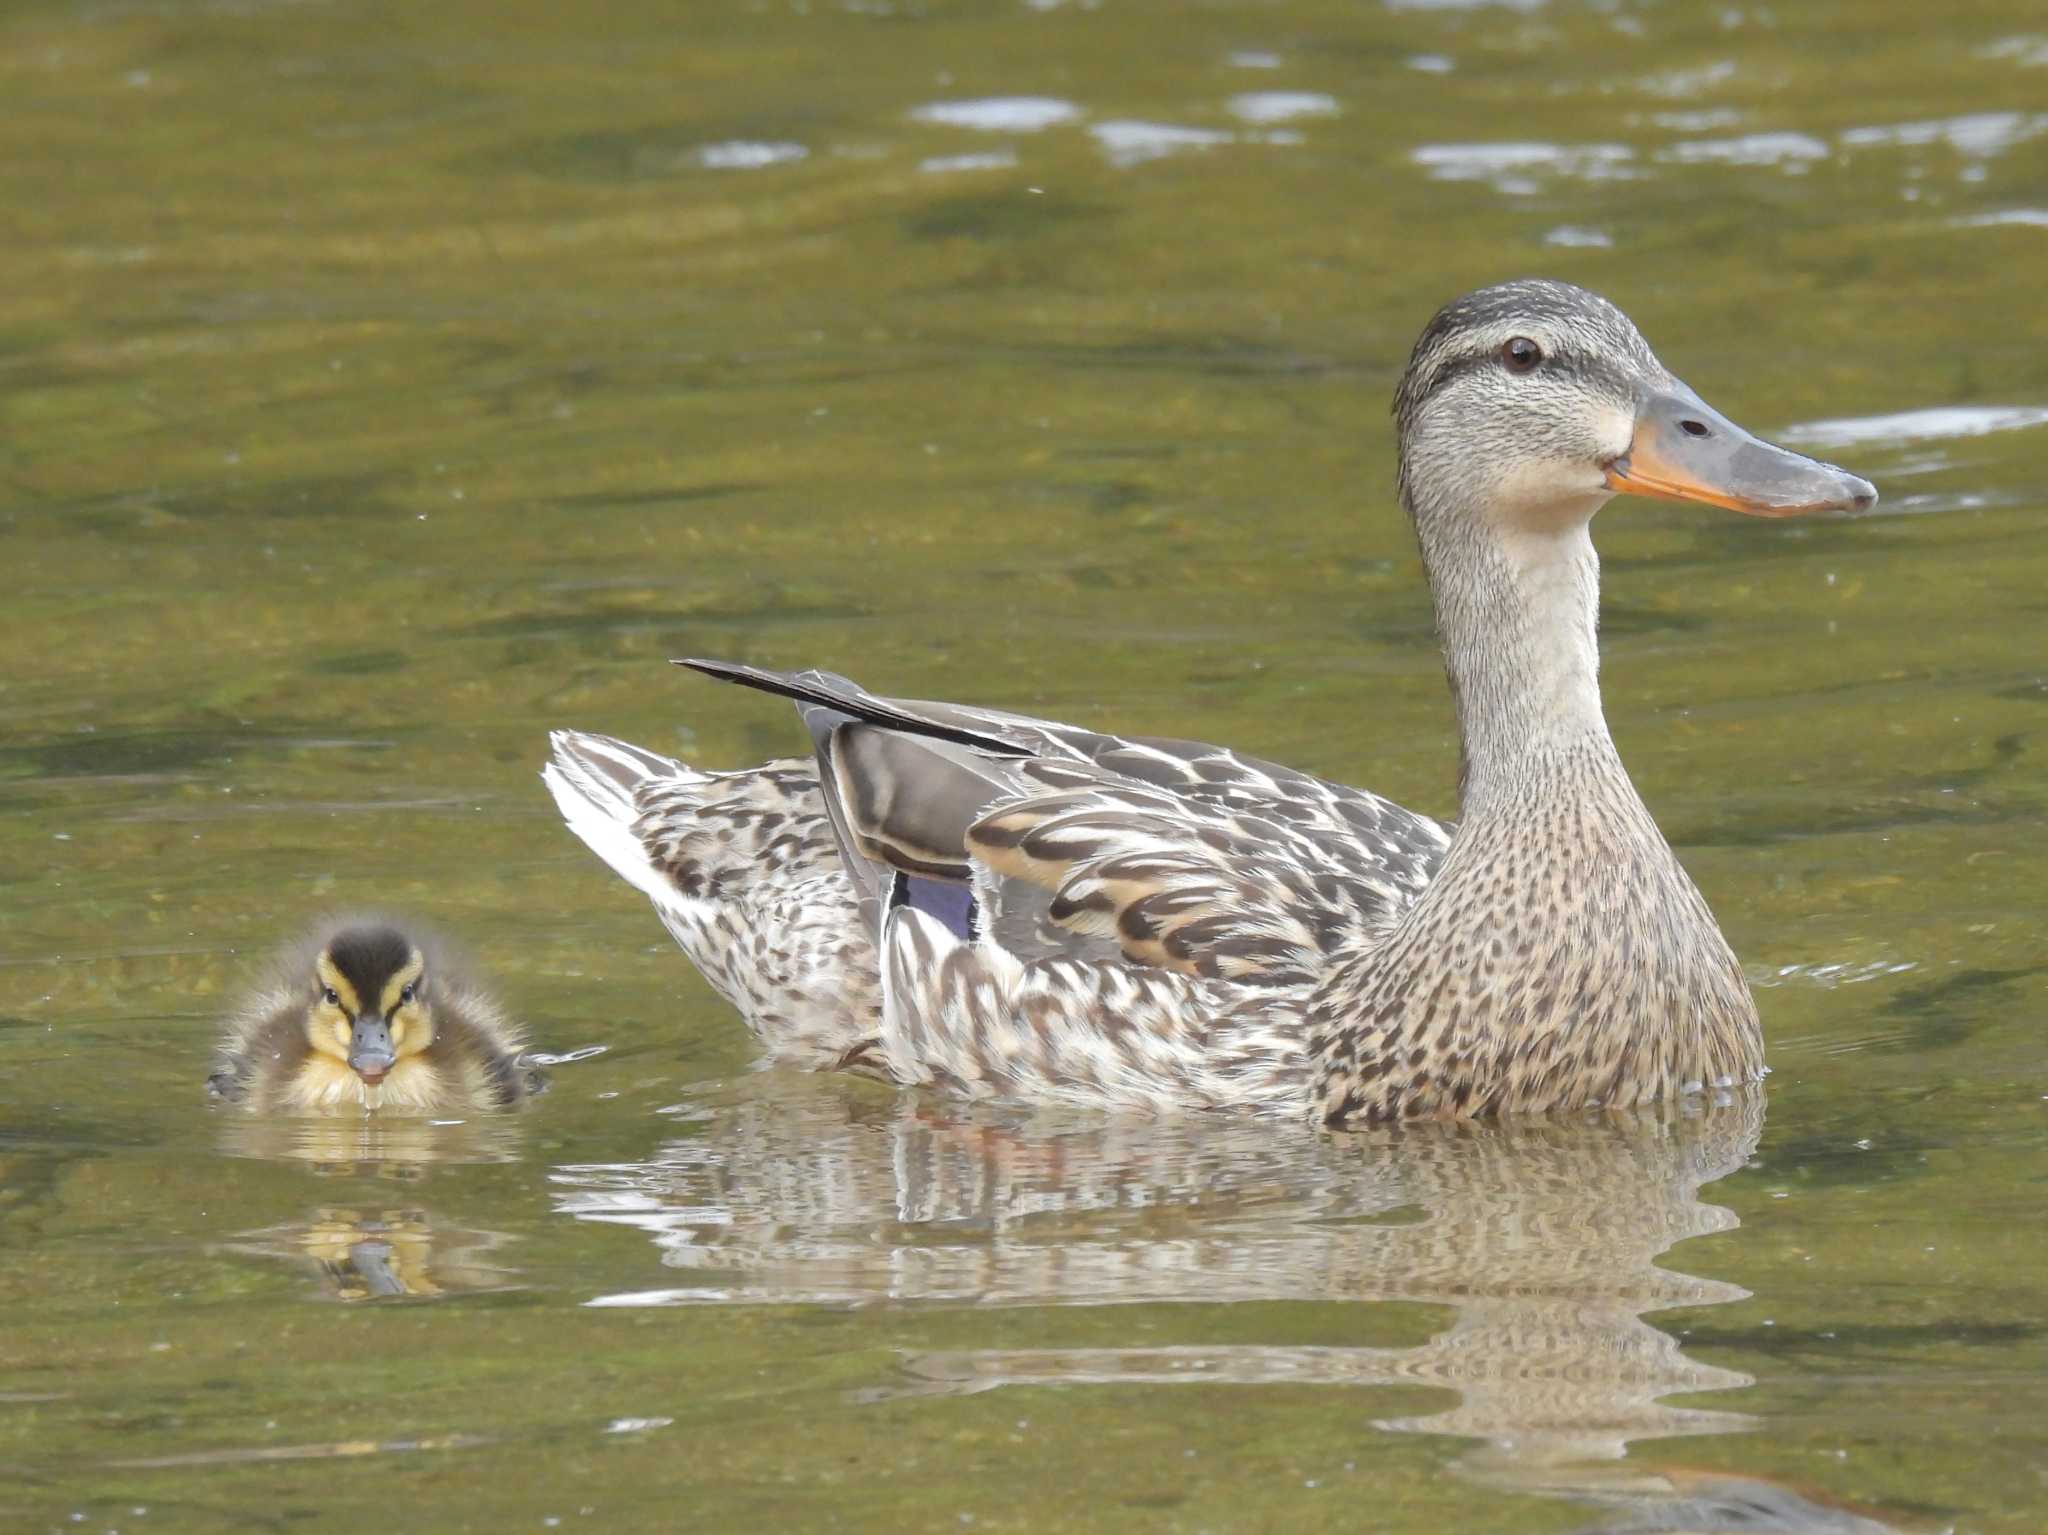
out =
column 1685, row 450
column 369, row 1048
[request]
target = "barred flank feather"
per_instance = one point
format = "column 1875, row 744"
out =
column 977, row 1020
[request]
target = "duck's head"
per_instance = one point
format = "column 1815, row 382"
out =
column 370, row 1002
column 1531, row 403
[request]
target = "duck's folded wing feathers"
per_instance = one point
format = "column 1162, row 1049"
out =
column 1187, row 886
column 1374, row 836
column 1181, row 855
column 1369, row 835
column 1060, row 853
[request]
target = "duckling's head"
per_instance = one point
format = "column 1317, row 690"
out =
column 1529, row 404
column 371, row 1000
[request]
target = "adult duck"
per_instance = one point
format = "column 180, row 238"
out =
column 1007, row 906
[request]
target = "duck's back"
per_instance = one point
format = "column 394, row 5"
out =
column 1080, row 866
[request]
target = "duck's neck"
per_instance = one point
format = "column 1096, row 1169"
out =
column 1560, row 957
column 1518, row 611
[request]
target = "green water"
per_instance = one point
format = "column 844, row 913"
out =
column 381, row 386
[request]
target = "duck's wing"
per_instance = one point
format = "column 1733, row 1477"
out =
column 1246, row 887
column 1388, row 835
column 1050, row 931
column 1169, row 854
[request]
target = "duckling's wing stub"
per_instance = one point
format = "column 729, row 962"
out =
column 510, row 1080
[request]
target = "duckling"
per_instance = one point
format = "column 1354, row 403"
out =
column 369, row 1017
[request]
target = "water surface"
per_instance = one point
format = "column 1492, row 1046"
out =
column 380, row 387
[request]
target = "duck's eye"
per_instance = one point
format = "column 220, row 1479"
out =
column 408, row 993
column 330, row 996
column 1521, row 355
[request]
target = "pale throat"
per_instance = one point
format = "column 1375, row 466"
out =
column 1518, row 606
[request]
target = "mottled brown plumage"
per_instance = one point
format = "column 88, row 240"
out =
column 745, row 873
column 1005, row 906
column 369, row 1016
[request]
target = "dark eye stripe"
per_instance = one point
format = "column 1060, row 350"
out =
column 1569, row 365
column 1456, row 368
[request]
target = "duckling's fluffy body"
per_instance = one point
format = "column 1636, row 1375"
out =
column 367, row 1015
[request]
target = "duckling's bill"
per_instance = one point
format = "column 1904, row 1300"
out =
column 1685, row 450
column 370, row 1054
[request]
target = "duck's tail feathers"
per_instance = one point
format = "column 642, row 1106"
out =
column 596, row 782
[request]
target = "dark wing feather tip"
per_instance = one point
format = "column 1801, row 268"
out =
column 828, row 690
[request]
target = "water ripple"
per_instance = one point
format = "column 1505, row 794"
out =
column 1937, row 421
column 1000, row 114
column 1464, row 5
column 2028, row 52
column 1793, row 151
column 2037, row 217
column 944, row 165
column 1512, row 167
column 1979, row 133
column 1281, row 106
column 1133, row 143
column 748, row 155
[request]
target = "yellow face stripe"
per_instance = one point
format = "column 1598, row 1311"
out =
column 395, row 987
column 330, row 976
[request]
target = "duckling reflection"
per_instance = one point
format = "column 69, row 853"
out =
column 1539, row 1238
column 366, row 1017
column 359, row 1255
column 372, row 1145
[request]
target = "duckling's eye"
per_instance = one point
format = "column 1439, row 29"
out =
column 1521, row 355
column 408, row 993
column 330, row 996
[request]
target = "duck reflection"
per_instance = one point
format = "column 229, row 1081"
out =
column 359, row 1255
column 797, row 1191
column 398, row 1149
column 1539, row 1238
